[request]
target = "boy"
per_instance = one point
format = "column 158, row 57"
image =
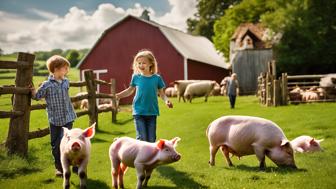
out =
column 233, row 89
column 59, row 108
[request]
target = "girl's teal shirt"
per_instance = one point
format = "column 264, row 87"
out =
column 145, row 101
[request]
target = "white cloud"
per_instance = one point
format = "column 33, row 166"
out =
column 178, row 15
column 78, row 29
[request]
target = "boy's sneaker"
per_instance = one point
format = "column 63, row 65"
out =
column 58, row 173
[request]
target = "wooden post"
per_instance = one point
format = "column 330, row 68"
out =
column 114, row 101
column 284, row 89
column 276, row 93
column 17, row 140
column 91, row 90
column 273, row 68
column 268, row 95
column 264, row 89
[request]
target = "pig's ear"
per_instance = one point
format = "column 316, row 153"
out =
column 90, row 132
column 312, row 142
column 161, row 144
column 175, row 140
column 285, row 143
column 286, row 146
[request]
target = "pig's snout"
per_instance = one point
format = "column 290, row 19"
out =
column 75, row 146
column 176, row 157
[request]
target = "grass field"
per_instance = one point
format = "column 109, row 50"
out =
column 189, row 122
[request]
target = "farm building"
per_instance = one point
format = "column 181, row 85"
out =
column 179, row 55
column 249, row 55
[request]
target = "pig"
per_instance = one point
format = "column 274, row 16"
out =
column 143, row 156
column 306, row 144
column 246, row 135
column 309, row 96
column 202, row 88
column 75, row 150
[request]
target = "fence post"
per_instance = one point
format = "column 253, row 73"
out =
column 276, row 92
column 114, row 102
column 91, row 90
column 284, row 89
column 17, row 140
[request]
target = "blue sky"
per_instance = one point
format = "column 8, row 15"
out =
column 33, row 25
column 61, row 7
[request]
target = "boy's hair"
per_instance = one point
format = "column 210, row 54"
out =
column 149, row 55
column 56, row 61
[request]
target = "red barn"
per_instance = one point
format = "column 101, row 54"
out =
column 179, row 55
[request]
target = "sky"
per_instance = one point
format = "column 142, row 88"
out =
column 43, row 25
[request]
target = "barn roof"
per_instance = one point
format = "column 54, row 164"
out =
column 196, row 48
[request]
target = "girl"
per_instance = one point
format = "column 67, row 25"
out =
column 147, row 84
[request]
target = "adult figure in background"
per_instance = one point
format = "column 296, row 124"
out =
column 233, row 89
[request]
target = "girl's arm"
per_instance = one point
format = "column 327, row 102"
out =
column 125, row 93
column 165, row 98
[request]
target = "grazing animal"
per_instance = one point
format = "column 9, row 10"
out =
column 245, row 135
column 180, row 86
column 202, row 88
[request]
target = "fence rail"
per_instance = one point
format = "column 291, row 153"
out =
column 275, row 92
column 18, row 134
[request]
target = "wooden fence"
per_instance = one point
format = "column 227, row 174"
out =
column 275, row 92
column 18, row 134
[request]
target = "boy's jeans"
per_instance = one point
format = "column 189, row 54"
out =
column 145, row 127
column 56, row 134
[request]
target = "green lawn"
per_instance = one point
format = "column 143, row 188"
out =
column 189, row 122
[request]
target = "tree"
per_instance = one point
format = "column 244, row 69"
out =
column 1, row 51
column 208, row 13
column 73, row 57
column 308, row 31
column 309, row 35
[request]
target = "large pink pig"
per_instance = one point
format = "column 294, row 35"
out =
column 143, row 156
column 75, row 150
column 245, row 135
column 306, row 144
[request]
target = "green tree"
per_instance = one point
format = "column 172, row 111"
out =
column 73, row 57
column 309, row 35
column 208, row 11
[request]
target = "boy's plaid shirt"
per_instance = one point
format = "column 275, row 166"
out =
column 59, row 108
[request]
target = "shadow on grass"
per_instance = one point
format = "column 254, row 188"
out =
column 280, row 170
column 123, row 122
column 12, row 173
column 98, row 140
column 92, row 184
column 180, row 179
